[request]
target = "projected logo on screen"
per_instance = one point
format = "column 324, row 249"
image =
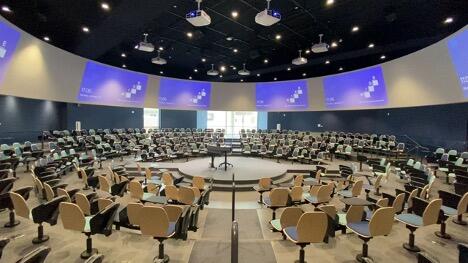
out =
column 287, row 95
column 458, row 47
column 9, row 39
column 184, row 94
column 360, row 88
column 110, row 85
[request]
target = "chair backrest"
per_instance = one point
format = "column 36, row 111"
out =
column 103, row 203
column 378, row 181
column 20, row 205
column 279, row 196
column 324, row 193
column 357, row 188
column 49, row 192
column 381, row 222
column 172, row 193
column 318, row 174
column 63, row 192
column 104, row 184
column 82, row 201
column 298, row 180
column 296, row 193
column 290, row 216
column 398, row 203
column 173, row 212
column 186, row 195
column 382, row 202
column 72, row 216
column 463, row 204
column 198, row 182
column 136, row 191
column 431, row 213
column 167, row 178
column 148, row 173
column 264, row 183
column 312, row 227
column 354, row 214
column 152, row 188
column 133, row 213
column 147, row 218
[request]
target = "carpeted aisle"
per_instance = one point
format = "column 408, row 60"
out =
column 216, row 246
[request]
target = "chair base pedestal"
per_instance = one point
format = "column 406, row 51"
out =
column 12, row 224
column 459, row 221
column 365, row 259
column 161, row 260
column 411, row 248
column 40, row 239
column 442, row 235
column 87, row 254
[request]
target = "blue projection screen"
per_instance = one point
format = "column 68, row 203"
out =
column 184, row 94
column 458, row 47
column 287, row 95
column 110, row 85
column 355, row 89
column 9, row 39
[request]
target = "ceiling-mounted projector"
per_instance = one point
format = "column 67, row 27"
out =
column 159, row 60
column 198, row 17
column 268, row 16
column 243, row 72
column 320, row 47
column 145, row 45
column 299, row 60
column 212, row 71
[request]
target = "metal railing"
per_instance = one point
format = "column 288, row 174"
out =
column 235, row 226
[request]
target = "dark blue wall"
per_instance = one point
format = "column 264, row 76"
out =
column 178, row 119
column 101, row 117
column 24, row 119
column 443, row 125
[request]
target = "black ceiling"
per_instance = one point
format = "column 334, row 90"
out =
column 396, row 27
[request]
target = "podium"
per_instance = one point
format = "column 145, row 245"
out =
column 219, row 150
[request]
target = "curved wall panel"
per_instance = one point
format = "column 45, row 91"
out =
column 41, row 71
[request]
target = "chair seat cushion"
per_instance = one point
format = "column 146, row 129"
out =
column 360, row 228
column 342, row 219
column 87, row 228
column 449, row 211
column 410, row 219
column 291, row 233
column 147, row 195
column 267, row 201
column 171, row 229
column 276, row 224
column 346, row 193
column 311, row 199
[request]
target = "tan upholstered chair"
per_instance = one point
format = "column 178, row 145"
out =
column 354, row 214
column 424, row 214
column 376, row 187
column 103, row 203
column 311, row 228
column 296, row 195
column 149, row 177
column 264, row 185
column 136, row 191
column 355, row 190
column 74, row 219
column 156, row 223
column 104, row 184
column 289, row 217
column 84, row 178
column 188, row 195
column 399, row 203
column 133, row 213
column 50, row 194
column 172, row 193
column 152, row 188
column 278, row 198
column 298, row 180
column 379, row 225
column 62, row 192
column 412, row 195
column 198, row 182
column 320, row 195
column 83, row 203
column 167, row 178
column 453, row 205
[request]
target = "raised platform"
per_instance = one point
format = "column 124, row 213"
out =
column 247, row 171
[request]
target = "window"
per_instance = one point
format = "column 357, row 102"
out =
column 232, row 121
column 151, row 118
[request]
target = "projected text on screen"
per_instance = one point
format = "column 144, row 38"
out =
column 360, row 88
column 287, row 95
column 458, row 47
column 184, row 94
column 110, row 85
column 9, row 39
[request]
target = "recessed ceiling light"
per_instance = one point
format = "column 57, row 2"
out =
column 242, row 80
column 124, row 66
column 203, row 60
column 278, row 37
column 161, row 72
column 371, row 45
column 296, row 7
column 448, row 20
column 6, row 9
column 85, row 29
column 275, row 78
column 105, row 6
column 229, row 38
column 327, row 62
column 175, row 6
column 383, row 57
column 307, row 51
column 46, row 38
column 355, row 29
column 340, row 69
column 161, row 48
column 220, row 76
column 330, row 2
column 304, row 74
column 265, row 61
column 136, row 46
column 222, row 68
column 123, row 55
column 234, row 67
column 235, row 50
column 189, row 34
column 258, row 74
column 190, row 77
column 334, row 44
column 195, row 70
column 288, row 69
column 234, row 14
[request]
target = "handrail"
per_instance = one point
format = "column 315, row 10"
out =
column 233, row 198
column 235, row 242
